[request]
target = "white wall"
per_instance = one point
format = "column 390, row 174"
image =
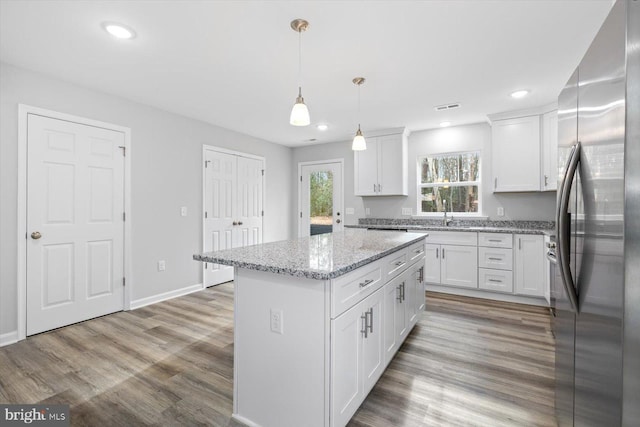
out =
column 517, row 206
column 166, row 159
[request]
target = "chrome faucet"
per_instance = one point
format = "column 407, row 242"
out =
column 445, row 221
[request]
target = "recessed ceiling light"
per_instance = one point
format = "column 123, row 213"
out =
column 445, row 124
column 119, row 31
column 322, row 126
column 519, row 93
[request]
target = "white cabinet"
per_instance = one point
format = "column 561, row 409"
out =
column 529, row 265
column 495, row 262
column 549, row 178
column 381, row 169
column 432, row 263
column 357, row 356
column 515, row 148
column 451, row 258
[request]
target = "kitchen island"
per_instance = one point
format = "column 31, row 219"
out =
column 317, row 320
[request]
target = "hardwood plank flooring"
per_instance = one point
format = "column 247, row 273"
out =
column 468, row 362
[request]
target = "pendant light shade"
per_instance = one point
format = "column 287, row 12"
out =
column 299, row 112
column 359, row 143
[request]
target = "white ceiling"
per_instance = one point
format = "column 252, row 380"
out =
column 234, row 63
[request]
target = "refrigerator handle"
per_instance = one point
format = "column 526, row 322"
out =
column 563, row 254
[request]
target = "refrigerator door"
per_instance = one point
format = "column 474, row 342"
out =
column 598, row 224
column 564, row 321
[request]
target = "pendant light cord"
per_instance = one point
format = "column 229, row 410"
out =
column 358, row 116
column 299, row 60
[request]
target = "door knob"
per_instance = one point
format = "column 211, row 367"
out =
column 235, row 223
column 239, row 222
column 36, row 235
column 338, row 221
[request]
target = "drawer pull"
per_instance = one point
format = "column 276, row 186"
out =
column 495, row 281
column 366, row 283
column 417, row 251
column 399, row 263
column 369, row 313
column 495, row 240
column 495, row 259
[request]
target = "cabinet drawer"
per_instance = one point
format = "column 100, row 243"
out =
column 495, row 280
column 416, row 251
column 350, row 289
column 498, row 258
column 495, row 240
column 395, row 264
column 461, row 238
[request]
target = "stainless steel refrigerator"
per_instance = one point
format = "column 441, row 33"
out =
column 596, row 288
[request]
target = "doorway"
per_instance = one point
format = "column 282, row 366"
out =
column 73, row 195
column 233, row 206
column 321, row 197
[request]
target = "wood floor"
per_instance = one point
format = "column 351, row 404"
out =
column 468, row 362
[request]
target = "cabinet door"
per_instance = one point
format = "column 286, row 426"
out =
column 515, row 150
column 401, row 308
column 366, row 169
column 373, row 349
column 549, row 177
column 419, row 291
column 529, row 268
column 415, row 294
column 392, row 166
column 346, row 367
column 391, row 339
column 459, row 266
column 432, row 263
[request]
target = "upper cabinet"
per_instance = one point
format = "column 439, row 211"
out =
column 381, row 169
column 524, row 150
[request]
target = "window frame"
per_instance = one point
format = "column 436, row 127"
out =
column 420, row 185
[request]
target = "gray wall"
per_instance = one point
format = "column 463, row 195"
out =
column 517, row 206
column 166, row 158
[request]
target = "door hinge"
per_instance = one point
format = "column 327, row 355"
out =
column 205, row 214
column 206, row 265
column 300, row 214
column 300, row 178
column 262, row 172
column 124, row 150
column 262, row 213
column 124, row 282
column 124, row 216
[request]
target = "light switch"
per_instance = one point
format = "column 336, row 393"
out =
column 277, row 321
column 406, row 211
column 161, row 265
column 367, row 211
column 500, row 211
column 183, row 211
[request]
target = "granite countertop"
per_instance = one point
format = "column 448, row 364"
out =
column 518, row 227
column 321, row 257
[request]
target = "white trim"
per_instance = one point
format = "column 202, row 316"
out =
column 205, row 148
column 494, row 296
column 142, row 302
column 242, row 420
column 515, row 114
column 23, row 112
column 8, row 338
column 312, row 163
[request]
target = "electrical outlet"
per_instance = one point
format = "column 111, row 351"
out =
column 161, row 265
column 183, row 211
column 367, row 211
column 277, row 321
column 349, row 211
column 500, row 211
column 406, row 211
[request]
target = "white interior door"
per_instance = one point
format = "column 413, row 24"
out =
column 321, row 198
column 233, row 204
column 248, row 230
column 75, row 222
column 219, row 211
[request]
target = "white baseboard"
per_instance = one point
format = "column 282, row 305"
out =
column 8, row 338
column 165, row 296
column 476, row 293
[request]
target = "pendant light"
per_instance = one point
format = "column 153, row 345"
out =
column 300, row 112
column 359, row 143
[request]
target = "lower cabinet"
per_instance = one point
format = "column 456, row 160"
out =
column 452, row 265
column 357, row 356
column 529, row 265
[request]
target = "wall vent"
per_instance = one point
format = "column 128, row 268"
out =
column 447, row 106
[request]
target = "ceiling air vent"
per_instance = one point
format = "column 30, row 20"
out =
column 447, row 106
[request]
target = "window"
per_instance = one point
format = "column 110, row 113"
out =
column 450, row 181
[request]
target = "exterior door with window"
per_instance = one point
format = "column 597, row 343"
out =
column 320, row 198
column 75, row 222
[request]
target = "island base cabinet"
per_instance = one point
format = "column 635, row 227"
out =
column 357, row 356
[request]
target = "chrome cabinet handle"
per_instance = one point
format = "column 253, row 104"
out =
column 437, row 252
column 364, row 330
column 442, row 253
column 399, row 263
column 36, row 235
column 370, row 314
column 239, row 222
column 399, row 296
column 495, row 240
column 495, row 259
column 495, row 183
column 495, row 281
column 235, row 222
column 366, row 283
